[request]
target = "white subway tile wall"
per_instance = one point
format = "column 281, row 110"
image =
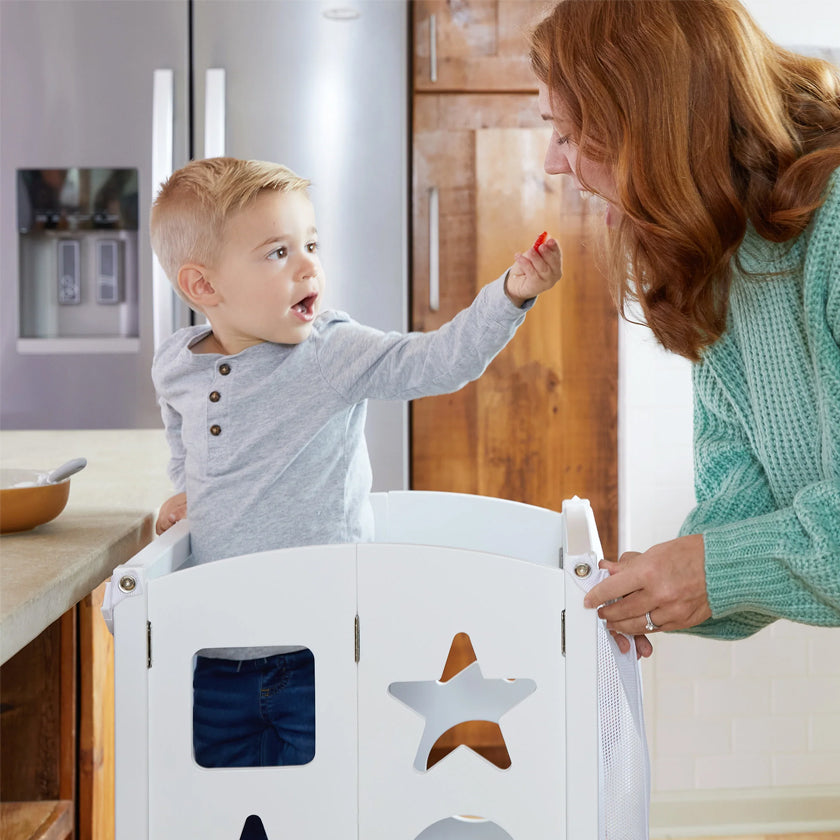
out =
column 761, row 714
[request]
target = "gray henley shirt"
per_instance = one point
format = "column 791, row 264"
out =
column 269, row 443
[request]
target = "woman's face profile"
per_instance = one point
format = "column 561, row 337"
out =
column 563, row 157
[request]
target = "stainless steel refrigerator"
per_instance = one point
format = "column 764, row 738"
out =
column 101, row 99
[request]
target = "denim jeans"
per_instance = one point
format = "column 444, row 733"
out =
column 254, row 712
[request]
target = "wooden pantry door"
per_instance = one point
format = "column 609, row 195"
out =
column 540, row 425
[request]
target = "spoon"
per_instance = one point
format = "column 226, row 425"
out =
column 64, row 471
column 58, row 474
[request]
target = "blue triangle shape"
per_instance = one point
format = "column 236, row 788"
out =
column 253, row 829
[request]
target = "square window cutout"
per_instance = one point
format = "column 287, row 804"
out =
column 256, row 711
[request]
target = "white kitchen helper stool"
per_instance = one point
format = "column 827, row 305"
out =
column 380, row 619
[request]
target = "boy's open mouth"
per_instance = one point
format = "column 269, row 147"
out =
column 305, row 308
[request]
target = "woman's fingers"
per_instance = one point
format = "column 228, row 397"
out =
column 668, row 582
column 629, row 607
column 622, row 581
column 644, row 648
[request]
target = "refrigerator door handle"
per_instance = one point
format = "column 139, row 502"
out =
column 163, row 116
column 214, row 113
column 434, row 250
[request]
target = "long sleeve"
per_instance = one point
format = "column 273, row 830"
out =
column 762, row 562
column 364, row 363
column 172, row 424
column 767, row 437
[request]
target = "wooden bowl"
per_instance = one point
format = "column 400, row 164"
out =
column 24, row 508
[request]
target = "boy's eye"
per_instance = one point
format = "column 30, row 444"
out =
column 278, row 253
column 311, row 247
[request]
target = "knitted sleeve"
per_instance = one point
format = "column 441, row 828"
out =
column 784, row 564
column 764, row 562
column 730, row 486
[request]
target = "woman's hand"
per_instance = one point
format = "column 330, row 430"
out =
column 643, row 646
column 535, row 271
column 171, row 511
column 664, row 586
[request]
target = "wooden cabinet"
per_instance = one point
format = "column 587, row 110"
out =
column 541, row 424
column 57, row 726
column 473, row 45
column 38, row 714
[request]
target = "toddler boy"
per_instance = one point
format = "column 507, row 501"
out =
column 265, row 410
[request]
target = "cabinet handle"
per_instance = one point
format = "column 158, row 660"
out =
column 163, row 118
column 433, row 47
column 214, row 113
column 434, row 250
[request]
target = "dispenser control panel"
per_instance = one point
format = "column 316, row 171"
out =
column 78, row 260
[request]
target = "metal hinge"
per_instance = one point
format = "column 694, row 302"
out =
column 563, row 632
column 356, row 637
column 561, row 556
column 148, row 644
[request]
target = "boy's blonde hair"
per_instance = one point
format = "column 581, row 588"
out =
column 193, row 206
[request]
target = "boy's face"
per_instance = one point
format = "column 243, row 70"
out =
column 268, row 278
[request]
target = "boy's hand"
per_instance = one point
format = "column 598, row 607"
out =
column 171, row 511
column 535, row 271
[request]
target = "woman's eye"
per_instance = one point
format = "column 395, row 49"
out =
column 278, row 253
column 561, row 139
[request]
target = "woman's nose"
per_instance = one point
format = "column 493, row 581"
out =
column 556, row 163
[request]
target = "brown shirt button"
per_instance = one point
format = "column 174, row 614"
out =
column 215, row 430
column 215, row 396
column 224, row 369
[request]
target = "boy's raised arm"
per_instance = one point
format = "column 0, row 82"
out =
column 405, row 366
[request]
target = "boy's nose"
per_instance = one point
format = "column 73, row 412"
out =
column 308, row 267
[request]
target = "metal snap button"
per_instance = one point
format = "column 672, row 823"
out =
column 215, row 396
column 215, row 430
column 224, row 369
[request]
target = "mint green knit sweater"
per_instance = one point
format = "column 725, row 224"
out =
column 767, row 437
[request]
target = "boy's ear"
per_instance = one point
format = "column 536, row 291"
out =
column 195, row 286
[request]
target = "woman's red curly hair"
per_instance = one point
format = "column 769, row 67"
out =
column 707, row 126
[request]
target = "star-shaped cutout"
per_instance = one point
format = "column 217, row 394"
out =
column 467, row 696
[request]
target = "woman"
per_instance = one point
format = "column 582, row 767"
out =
column 716, row 150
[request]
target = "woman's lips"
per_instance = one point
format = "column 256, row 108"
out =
column 611, row 213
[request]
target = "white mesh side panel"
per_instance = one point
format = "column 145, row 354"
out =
column 624, row 766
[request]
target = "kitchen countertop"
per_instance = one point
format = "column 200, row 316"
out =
column 109, row 517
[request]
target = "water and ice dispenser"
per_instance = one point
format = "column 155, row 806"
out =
column 77, row 240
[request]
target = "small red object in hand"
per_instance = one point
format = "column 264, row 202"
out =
column 540, row 239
